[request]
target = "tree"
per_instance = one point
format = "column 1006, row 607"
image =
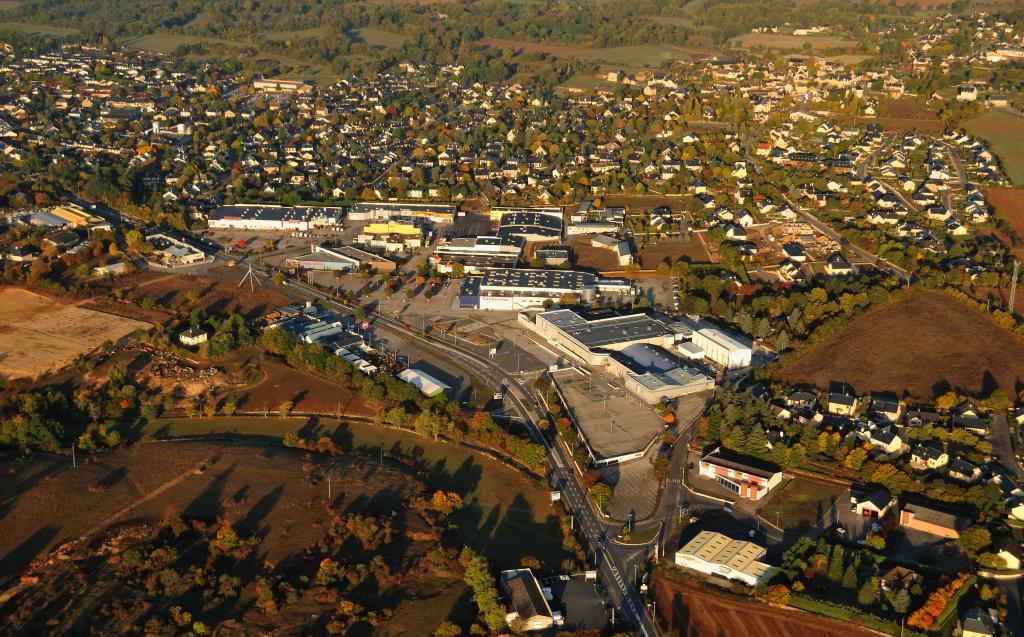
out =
column 974, row 539
column 229, row 408
column 778, row 594
column 448, row 629
column 600, row 494
column 850, row 578
column 900, row 601
column 285, row 408
column 868, row 592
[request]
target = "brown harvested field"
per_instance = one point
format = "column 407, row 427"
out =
column 923, row 345
column 692, row 250
column 688, row 610
column 643, row 203
column 897, row 124
column 170, row 291
column 40, row 334
column 1008, row 204
column 309, row 393
column 906, row 108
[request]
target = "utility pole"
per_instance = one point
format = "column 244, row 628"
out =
column 74, row 462
column 329, row 498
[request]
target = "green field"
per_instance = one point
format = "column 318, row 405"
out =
column 381, row 38
column 506, row 515
column 800, row 504
column 169, row 42
column 638, row 55
column 36, row 29
column 1004, row 132
column 789, row 42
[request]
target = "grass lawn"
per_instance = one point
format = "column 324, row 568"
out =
column 37, row 29
column 381, row 38
column 800, row 504
column 789, row 42
column 169, row 42
column 506, row 515
column 1005, row 133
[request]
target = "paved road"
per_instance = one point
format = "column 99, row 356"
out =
column 1002, row 446
column 864, row 164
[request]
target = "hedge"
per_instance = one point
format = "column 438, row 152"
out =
column 846, row 613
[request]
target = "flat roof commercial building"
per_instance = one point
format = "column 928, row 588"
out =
column 497, row 212
column 531, row 226
column 394, row 236
column 340, row 258
column 271, row 217
column 484, row 251
column 719, row 555
column 631, row 347
column 745, row 476
column 384, row 210
column 520, row 288
column 726, row 349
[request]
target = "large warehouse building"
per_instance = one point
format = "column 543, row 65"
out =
column 631, row 347
column 385, row 210
column 519, row 289
column 719, row 555
column 531, row 226
column 269, row 217
column 340, row 258
column 484, row 251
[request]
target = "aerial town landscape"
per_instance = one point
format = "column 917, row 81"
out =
column 482, row 317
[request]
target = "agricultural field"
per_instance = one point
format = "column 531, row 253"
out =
column 36, row 29
column 921, row 346
column 686, row 609
column 1004, row 133
column 40, row 334
column 906, row 108
column 643, row 55
column 788, row 42
column 800, row 504
column 1008, row 203
column 169, row 42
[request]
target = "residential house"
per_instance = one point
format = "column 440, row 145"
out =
column 925, row 458
column 874, row 503
column 842, row 404
column 960, row 469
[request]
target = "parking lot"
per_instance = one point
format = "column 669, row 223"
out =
column 613, row 420
column 577, row 600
